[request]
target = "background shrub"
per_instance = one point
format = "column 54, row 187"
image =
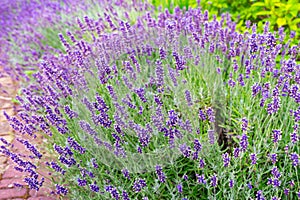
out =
column 278, row 13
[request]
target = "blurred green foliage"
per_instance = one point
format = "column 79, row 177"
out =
column 277, row 12
column 170, row 4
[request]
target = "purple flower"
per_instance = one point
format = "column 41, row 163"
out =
column 241, row 80
column 244, row 124
column 276, row 135
column 236, row 152
column 126, row 173
column 249, row 185
column 160, row 174
column 4, row 141
column 231, row 183
column 275, row 172
column 173, row 118
column 56, row 167
column 292, row 34
column 162, row 53
column 292, row 183
column 179, row 60
column 231, row 82
column 159, row 73
column 195, row 155
column 88, row 104
column 244, row 142
column 141, row 93
column 157, row 100
column 61, row 190
column 185, row 150
column 31, row 148
column 259, row 195
column 127, row 82
column 188, row 97
column 73, row 144
column 70, row 113
column 187, row 126
column 248, row 24
column 273, row 158
column 296, row 114
column 108, row 188
column 114, row 193
column 294, row 137
column 201, row 163
column 141, row 110
column 87, row 128
column 201, row 179
column 139, row 184
column 253, row 158
column 185, row 177
column 295, row 159
column 202, row 115
column 274, row 106
column 250, row 53
column 100, row 104
column 112, row 92
column 286, row 191
column 125, row 195
column 226, row 159
column 270, row 181
column 81, row 182
column 276, row 182
column 34, row 184
column 265, row 90
column 17, row 185
column 210, row 114
column 214, row 181
column 94, row 163
column 94, row 187
column 211, row 136
column 197, row 145
column 179, row 188
column 172, row 75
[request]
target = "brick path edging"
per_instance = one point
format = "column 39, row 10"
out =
column 8, row 175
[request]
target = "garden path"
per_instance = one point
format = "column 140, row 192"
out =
column 9, row 176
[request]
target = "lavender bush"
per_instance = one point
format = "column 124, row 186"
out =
column 170, row 106
column 22, row 36
column 29, row 30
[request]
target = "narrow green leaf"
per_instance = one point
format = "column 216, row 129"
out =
column 265, row 12
column 258, row 4
column 296, row 21
column 267, row 3
column 295, row 12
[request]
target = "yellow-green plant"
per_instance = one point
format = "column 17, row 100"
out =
column 170, row 4
column 279, row 13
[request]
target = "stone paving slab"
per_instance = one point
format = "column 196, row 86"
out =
column 9, row 183
column 4, row 128
column 9, row 111
column 8, row 88
column 12, row 193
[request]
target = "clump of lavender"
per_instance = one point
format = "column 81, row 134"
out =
column 131, row 108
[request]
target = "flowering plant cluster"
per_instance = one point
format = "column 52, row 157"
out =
column 29, row 28
column 169, row 106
